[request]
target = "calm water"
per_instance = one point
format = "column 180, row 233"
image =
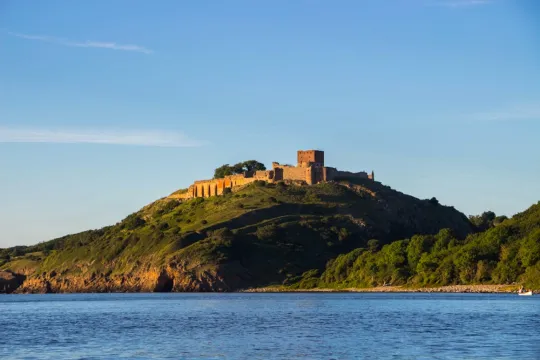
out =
column 269, row 326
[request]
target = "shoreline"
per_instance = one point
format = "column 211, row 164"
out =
column 460, row 289
column 457, row 289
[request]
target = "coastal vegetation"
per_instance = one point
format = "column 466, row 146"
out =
column 505, row 253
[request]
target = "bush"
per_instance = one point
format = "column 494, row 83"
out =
column 227, row 191
column 204, row 222
column 169, row 206
column 159, row 212
column 373, row 245
column 133, row 221
column 163, row 226
column 197, row 201
column 266, row 232
column 221, row 234
column 260, row 183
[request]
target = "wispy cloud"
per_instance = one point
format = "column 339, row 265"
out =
column 512, row 113
column 85, row 44
column 462, row 3
column 86, row 136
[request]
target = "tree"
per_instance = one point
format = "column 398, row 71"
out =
column 239, row 168
column 253, row 165
column 483, row 221
column 223, row 171
column 418, row 245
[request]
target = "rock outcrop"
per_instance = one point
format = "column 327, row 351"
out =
column 10, row 281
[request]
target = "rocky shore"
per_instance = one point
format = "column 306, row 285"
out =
column 9, row 281
column 489, row 289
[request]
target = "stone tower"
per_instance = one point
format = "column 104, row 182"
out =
column 307, row 158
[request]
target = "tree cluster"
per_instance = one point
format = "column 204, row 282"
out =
column 486, row 220
column 239, row 168
column 507, row 252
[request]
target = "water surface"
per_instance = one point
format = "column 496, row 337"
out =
column 269, row 326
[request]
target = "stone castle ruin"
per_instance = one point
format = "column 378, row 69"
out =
column 309, row 170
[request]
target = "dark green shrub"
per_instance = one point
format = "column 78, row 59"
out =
column 169, row 206
column 221, row 234
column 266, row 232
column 373, row 245
column 133, row 221
column 163, row 226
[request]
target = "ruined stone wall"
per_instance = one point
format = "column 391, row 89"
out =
column 294, row 173
column 333, row 173
column 214, row 187
column 266, row 175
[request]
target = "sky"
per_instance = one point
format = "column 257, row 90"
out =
column 106, row 106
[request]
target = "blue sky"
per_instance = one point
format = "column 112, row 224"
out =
column 106, row 106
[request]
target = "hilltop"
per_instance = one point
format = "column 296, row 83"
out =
column 261, row 234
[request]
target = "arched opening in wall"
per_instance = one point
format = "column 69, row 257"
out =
column 215, row 189
column 194, row 191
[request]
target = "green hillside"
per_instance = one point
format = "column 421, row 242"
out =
column 263, row 234
column 506, row 253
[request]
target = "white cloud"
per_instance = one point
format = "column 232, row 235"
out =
column 87, row 44
column 462, row 3
column 516, row 112
column 67, row 136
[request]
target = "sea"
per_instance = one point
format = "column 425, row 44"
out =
column 270, row 326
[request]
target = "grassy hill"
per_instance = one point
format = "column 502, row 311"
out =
column 504, row 254
column 261, row 235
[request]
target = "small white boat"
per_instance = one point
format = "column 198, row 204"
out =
column 525, row 293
